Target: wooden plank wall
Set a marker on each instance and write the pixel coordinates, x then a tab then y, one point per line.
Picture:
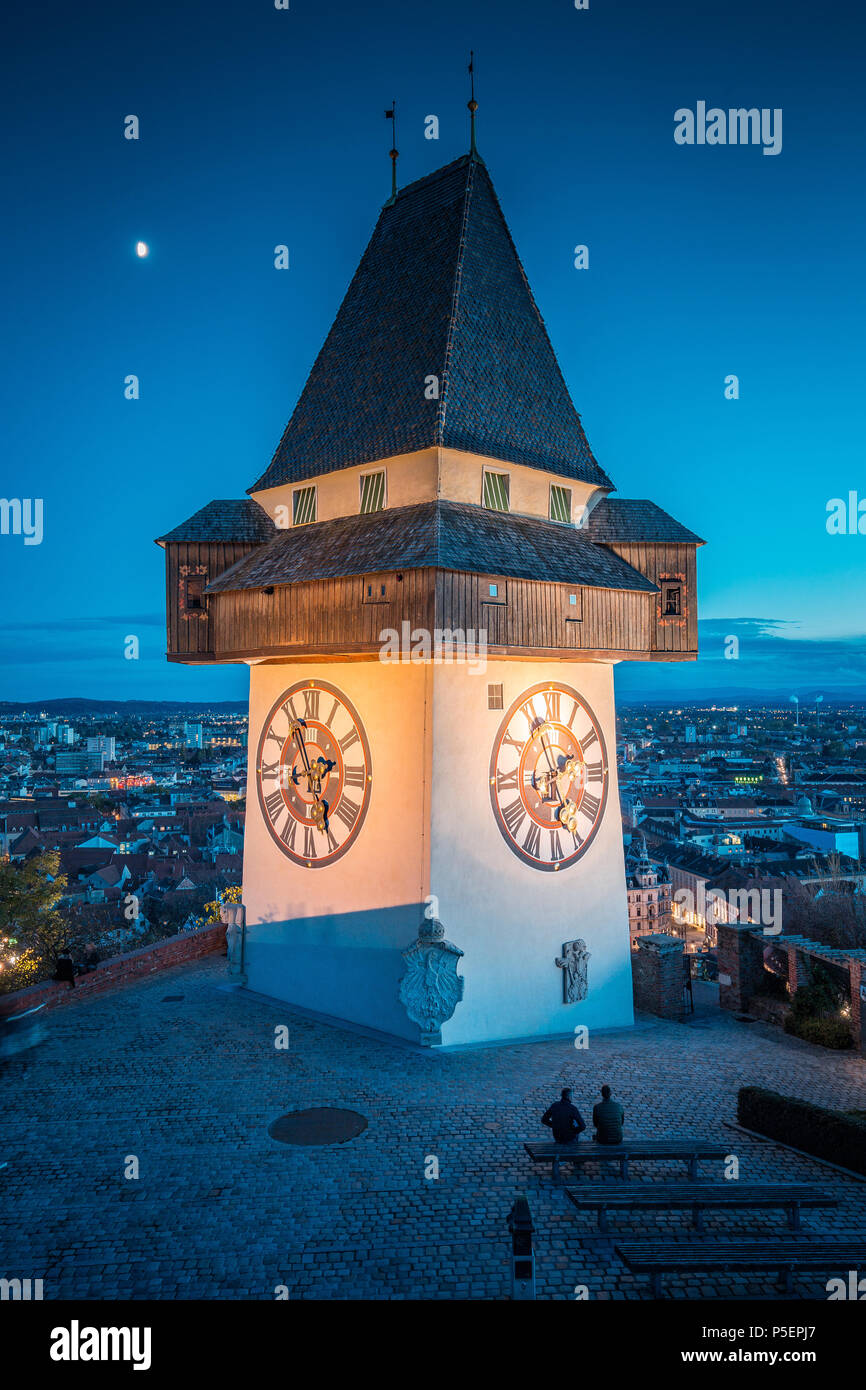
330	614
540	615
656	561
320	614
194	636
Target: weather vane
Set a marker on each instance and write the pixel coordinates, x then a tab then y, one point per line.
392	117
472	103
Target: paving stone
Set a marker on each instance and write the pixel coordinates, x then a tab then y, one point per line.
221	1210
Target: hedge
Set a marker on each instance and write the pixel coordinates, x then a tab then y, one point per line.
826	1032
830	1134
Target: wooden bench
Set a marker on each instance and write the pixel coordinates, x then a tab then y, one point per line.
786	1256
690	1150
697	1198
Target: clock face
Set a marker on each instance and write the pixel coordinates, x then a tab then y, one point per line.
549	777
313	774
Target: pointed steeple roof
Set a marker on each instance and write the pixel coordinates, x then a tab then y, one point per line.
440	292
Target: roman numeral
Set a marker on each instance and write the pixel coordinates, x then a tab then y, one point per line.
274	804
532	843
590	805
555	846
287	834
551	705
512	742
573	713
347	811
289	710
332	843
309	842
591	738
278	739
506	781
311	704
309	735
350	738
335	707
514	814
594	772
269	769
355	777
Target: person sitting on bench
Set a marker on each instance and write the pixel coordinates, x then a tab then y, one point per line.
564	1119
65	970
608	1118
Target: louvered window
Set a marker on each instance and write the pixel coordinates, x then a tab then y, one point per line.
372	492
496	491
303	505
560	503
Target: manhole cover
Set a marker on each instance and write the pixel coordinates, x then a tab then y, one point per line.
321	1126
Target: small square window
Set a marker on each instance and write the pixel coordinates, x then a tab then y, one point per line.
572	599
672	600
303	505
494	697
496	491
372	492
560	503
376	590
194	596
494	590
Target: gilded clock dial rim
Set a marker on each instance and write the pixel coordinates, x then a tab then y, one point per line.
287	793
550	763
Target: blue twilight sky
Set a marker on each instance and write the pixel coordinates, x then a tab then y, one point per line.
261	126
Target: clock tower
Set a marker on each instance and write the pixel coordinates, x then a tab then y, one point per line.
431	583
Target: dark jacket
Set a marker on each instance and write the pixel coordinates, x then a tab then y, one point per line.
565	1120
608	1117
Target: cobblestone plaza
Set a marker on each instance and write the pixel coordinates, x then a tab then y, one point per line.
184	1074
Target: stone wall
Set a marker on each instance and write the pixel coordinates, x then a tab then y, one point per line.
118	970
657	976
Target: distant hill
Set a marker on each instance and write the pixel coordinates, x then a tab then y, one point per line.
76	705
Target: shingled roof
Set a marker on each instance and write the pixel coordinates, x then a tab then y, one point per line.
236	519
444	535
440	291
627	519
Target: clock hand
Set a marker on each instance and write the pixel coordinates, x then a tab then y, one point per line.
551	777
295	729
540	731
319	808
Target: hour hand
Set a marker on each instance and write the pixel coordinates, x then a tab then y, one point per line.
314	774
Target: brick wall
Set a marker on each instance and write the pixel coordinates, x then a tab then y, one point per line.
741	965
741	954
118	970
657	976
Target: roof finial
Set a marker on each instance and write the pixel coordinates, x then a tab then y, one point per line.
392	117
472	104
